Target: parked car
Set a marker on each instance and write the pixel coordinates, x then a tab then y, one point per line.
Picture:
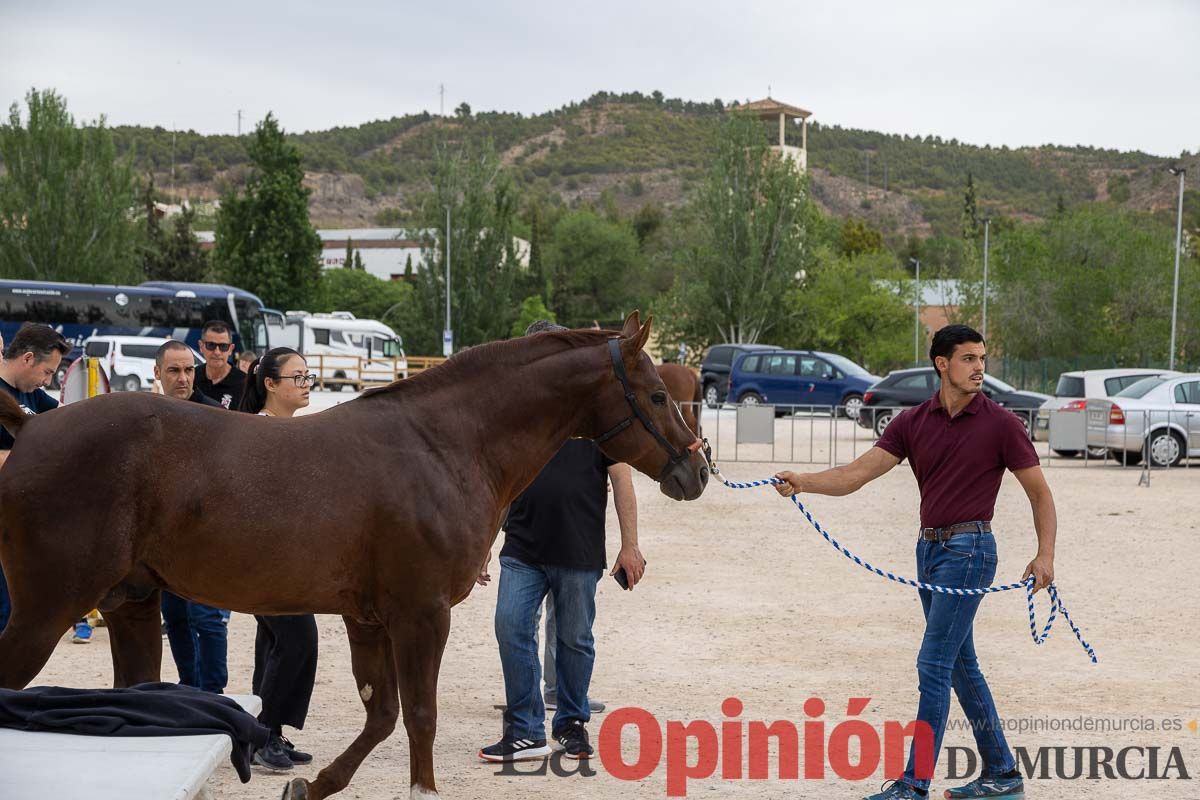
128	360
788	378
904	388
718	362
1074	387
1157	418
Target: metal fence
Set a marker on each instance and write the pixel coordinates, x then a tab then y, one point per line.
833	435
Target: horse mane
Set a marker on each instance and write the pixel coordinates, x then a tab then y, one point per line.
507	354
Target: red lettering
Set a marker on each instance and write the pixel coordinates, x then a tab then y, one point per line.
679	771
650	744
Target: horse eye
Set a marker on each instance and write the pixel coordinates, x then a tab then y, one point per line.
659	398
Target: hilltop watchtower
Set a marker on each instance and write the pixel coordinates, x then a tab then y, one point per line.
771	109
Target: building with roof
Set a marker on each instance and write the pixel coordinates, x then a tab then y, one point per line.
771	109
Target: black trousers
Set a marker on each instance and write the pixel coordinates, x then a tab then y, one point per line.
285	668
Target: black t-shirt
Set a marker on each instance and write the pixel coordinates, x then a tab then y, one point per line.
228	392
34	402
203	399
559	519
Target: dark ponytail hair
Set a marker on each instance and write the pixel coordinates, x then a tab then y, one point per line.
254	391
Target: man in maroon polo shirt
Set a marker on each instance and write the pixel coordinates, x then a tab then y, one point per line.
958	443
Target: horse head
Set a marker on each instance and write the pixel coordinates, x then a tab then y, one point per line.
636	422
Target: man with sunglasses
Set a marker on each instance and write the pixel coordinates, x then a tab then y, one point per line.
219	380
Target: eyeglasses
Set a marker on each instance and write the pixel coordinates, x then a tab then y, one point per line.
302	381
222	346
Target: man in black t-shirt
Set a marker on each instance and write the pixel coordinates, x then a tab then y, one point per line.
555	543
219	380
27	366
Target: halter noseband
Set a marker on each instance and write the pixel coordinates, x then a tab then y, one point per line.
674	455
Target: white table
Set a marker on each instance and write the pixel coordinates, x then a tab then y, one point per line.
65	766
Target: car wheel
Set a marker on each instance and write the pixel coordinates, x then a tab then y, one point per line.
1097	452
1066	453
882	418
852	405
60	375
712	396
751	399
130	383
1128	458
1165	448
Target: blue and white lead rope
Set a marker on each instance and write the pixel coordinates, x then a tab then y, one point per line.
1056	605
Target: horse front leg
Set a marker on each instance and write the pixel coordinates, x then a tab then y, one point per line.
419	642
374	670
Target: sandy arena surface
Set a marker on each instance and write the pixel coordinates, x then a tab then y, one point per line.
743	599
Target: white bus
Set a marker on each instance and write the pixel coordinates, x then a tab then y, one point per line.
342	350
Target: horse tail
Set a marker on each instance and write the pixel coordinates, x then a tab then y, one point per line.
12	416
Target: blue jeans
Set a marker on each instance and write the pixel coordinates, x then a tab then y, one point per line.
522	588
947	657
199	641
5	604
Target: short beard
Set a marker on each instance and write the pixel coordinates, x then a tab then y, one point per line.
968	388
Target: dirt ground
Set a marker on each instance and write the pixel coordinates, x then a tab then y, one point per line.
743	599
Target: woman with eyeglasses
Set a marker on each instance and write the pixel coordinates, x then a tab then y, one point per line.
285	648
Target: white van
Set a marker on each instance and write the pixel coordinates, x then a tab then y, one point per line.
342	350
128	361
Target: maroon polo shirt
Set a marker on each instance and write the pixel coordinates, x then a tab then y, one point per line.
959	462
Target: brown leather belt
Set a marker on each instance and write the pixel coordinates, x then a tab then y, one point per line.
942	534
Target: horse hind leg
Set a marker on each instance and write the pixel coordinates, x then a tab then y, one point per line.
135	636
374	667
418	643
34	630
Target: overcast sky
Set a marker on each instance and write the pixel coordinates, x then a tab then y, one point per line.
1109	74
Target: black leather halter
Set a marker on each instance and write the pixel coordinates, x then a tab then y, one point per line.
674	455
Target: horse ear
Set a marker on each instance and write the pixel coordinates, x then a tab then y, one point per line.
630	328
633	344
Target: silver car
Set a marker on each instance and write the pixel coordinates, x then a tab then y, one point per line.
1070	398
1156	418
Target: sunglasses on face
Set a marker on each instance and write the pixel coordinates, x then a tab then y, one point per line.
301	381
222	346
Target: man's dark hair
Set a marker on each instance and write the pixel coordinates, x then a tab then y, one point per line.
166	347
948	338
216	326
36	338
543	325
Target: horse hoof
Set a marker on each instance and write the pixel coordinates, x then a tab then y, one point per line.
296	789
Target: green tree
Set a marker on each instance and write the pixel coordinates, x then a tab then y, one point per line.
348	259
265	242
483	263
970	213
364	295
856	306
749	243
408	268
532	310
66	198
598	269
358	262
857	237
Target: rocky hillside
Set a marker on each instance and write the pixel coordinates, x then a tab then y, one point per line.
632	150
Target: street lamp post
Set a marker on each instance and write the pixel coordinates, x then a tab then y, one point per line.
1180	171
917	314
448	334
987	223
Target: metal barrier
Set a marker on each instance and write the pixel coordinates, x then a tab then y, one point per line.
830	436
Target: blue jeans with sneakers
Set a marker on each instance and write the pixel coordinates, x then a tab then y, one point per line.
947	656
522	588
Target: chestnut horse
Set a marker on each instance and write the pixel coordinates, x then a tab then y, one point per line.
381	510
684	385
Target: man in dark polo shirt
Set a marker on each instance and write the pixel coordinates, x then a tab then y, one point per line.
219	380
554	543
958	443
197	633
25	368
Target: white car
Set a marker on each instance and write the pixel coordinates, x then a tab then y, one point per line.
128	360
1157	418
1074	387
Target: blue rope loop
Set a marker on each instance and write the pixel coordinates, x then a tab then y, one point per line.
1056	604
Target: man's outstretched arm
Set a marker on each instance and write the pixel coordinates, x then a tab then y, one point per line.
841	480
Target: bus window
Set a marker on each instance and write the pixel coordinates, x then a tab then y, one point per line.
392	349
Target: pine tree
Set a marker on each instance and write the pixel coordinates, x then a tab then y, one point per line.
970	215
348	261
358	262
408	268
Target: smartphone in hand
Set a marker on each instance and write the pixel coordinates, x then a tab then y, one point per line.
622	579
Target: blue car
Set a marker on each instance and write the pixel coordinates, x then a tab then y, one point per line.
785	378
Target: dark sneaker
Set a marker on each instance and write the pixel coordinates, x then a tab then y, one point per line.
551	702
273	756
994	788
296	756
899	790
510	749
572	740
